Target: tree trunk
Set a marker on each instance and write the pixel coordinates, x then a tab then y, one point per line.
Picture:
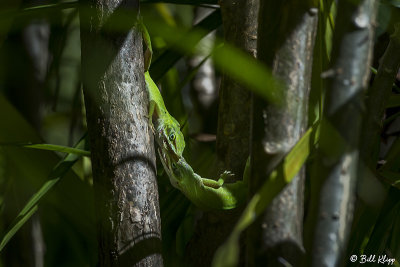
378	97
123	158
285	43
233	135
370	202
335	171
240	26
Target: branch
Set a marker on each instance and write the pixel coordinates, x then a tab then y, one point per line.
122	152
335	170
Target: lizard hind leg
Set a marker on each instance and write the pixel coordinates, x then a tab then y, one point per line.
221	181
212	183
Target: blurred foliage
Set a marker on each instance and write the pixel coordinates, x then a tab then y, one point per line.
58	186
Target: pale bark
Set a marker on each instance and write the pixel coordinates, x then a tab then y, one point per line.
240	29
123	158
335	173
286	42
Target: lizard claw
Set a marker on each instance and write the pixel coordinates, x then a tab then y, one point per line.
227	174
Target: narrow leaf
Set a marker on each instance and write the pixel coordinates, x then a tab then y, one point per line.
31	206
234	62
9	13
228	253
63	149
20	221
169	57
51	147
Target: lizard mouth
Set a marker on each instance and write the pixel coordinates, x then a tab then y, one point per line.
166	161
170	151
164	157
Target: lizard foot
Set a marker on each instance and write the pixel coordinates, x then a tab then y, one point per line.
226	175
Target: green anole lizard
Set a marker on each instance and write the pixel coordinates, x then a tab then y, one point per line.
205	193
165	127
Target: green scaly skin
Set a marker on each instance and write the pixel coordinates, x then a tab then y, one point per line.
206	194
166	129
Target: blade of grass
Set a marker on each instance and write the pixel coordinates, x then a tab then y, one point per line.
382	230
31	206
63	149
6	14
389	177
52	147
72	198
375	71
228	253
20	221
234	62
390	119
168	58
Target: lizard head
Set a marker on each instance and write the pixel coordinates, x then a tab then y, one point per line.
170	167
170	138
177	169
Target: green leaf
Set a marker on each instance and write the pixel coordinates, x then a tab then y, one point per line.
8	13
234	62
390	177
20	221
322	50
72	199
31	206
169	57
248	71
360	229
51	147
375	71
63	149
228	253
379	239
391	119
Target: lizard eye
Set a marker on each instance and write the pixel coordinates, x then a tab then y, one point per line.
172	137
